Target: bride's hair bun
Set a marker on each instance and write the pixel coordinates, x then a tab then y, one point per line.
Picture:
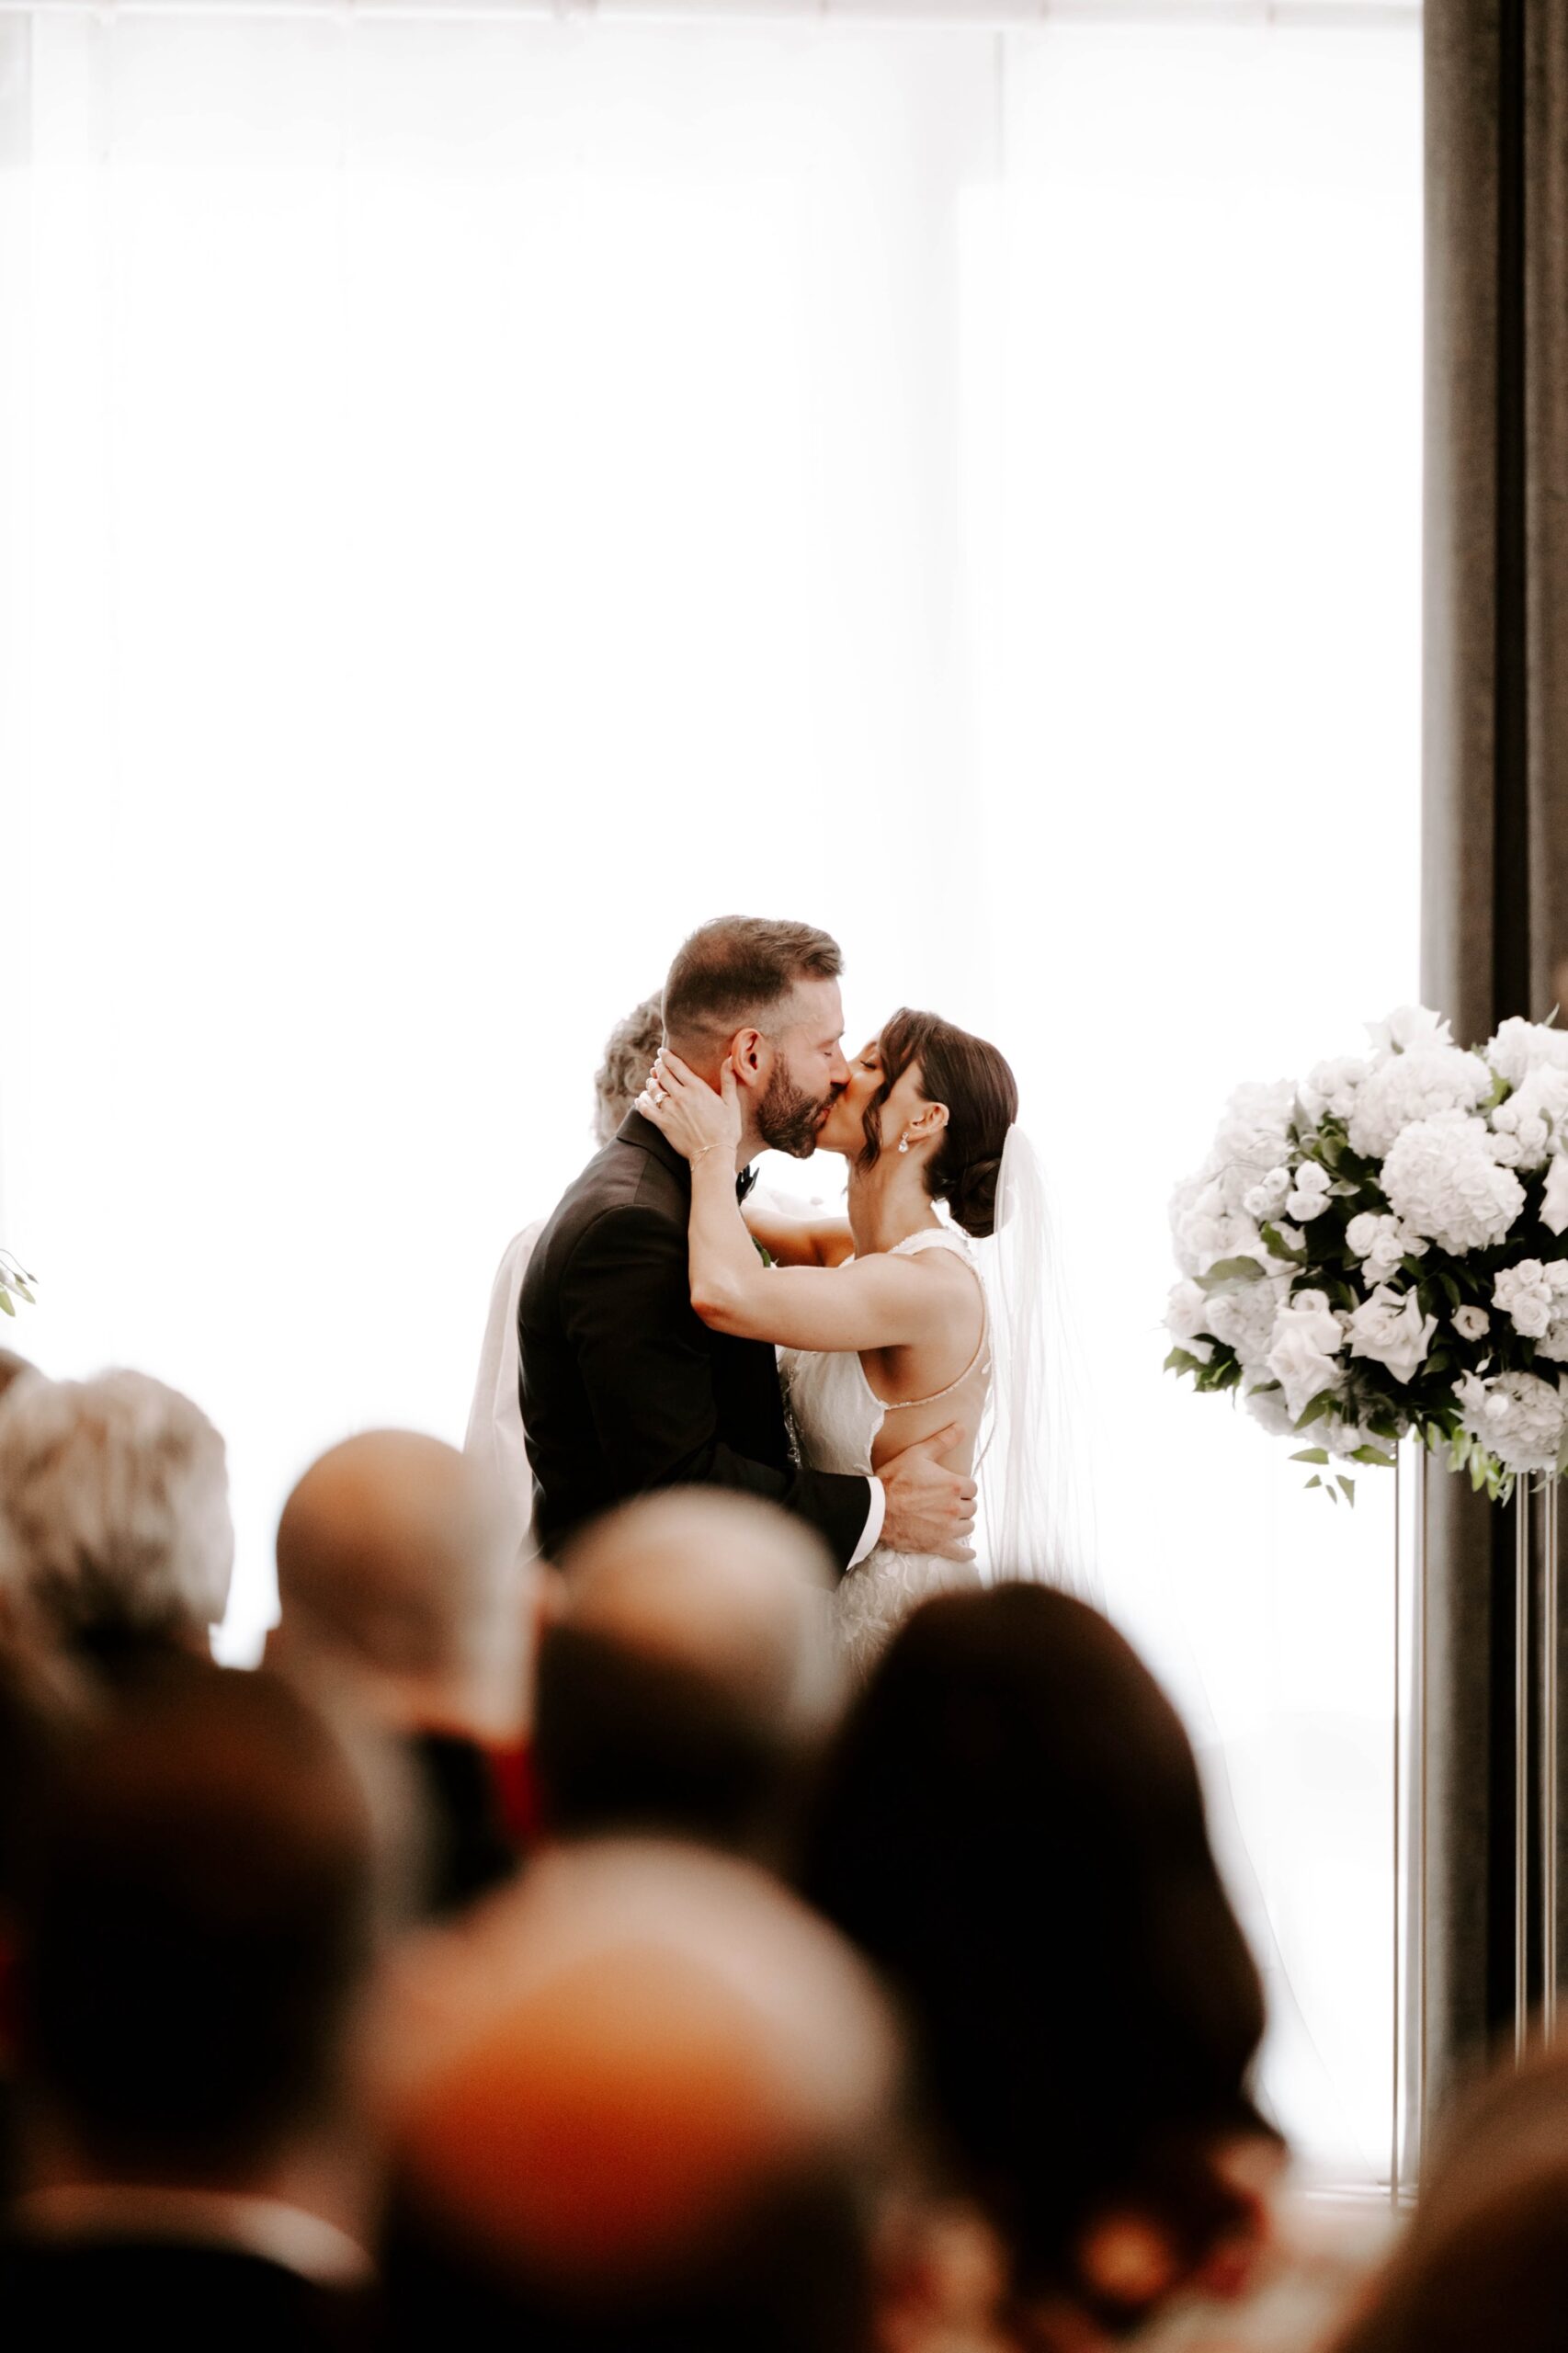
971	1196
972	1079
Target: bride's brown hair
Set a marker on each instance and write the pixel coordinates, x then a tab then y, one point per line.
974	1079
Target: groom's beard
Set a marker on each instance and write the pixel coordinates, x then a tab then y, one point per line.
788	1119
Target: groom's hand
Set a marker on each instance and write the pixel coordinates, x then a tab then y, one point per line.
930	1508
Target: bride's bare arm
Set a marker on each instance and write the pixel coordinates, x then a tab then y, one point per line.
880	1303
798	1241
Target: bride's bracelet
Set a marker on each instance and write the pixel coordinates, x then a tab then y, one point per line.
703	1153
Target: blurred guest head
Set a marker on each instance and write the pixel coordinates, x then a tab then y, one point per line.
12	1368
114	1512
1485	2261
1011	1823
629	1057
690	1673
402	1591
200	1895
397	1572
652	2103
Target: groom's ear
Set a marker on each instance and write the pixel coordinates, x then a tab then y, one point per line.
749	1057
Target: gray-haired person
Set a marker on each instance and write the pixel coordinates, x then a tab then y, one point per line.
495	1420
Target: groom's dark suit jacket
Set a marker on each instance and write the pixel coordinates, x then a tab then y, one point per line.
623	1387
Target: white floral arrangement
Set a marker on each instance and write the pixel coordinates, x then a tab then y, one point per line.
1383	1250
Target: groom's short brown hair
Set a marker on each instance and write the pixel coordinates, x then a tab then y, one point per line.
738	969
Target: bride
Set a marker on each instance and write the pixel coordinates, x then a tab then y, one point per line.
882	1317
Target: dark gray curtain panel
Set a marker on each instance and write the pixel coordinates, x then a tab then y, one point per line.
1494	868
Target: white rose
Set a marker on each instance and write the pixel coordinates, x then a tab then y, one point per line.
1408	1026
1554	1205
1309	1196
1443	1182
1390	1329
1301	1357
1523	1294
1413	1085
1267	1198
1472	1323
1380	1242
1310	1303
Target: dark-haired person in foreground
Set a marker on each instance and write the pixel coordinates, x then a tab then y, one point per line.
884	1314
623	1387
197	1907
1011	1826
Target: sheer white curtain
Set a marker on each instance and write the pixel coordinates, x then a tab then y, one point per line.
480	497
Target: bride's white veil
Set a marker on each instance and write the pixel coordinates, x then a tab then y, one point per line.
1034	1468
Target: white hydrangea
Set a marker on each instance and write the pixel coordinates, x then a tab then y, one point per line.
1413	1085
1443	1181
1186	1320
1381	1242
1267	1407
1517	1416
1254	1138
1244	1318
1521	1046
1329	1089
1209	1218
1208	1232
1408	1026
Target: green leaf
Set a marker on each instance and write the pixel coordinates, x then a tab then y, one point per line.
1319	1406
1182	1360
1313	1481
1372	1454
6	1302
1312	1454
1232	1270
1279	1247
1346	1487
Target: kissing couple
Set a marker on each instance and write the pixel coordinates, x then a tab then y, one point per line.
666	1319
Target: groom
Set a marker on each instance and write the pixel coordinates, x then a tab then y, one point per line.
622	1387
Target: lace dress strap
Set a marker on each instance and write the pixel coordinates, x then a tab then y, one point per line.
942	1237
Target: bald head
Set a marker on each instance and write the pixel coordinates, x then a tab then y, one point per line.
629	2064
397	1568
691	1672
728	1588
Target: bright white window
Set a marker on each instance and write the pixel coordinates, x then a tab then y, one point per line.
480	497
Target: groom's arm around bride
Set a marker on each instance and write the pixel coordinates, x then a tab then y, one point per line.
623	1388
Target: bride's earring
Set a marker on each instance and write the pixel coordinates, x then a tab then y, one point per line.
903	1144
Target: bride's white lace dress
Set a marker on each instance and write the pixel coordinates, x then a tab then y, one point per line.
836	1416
